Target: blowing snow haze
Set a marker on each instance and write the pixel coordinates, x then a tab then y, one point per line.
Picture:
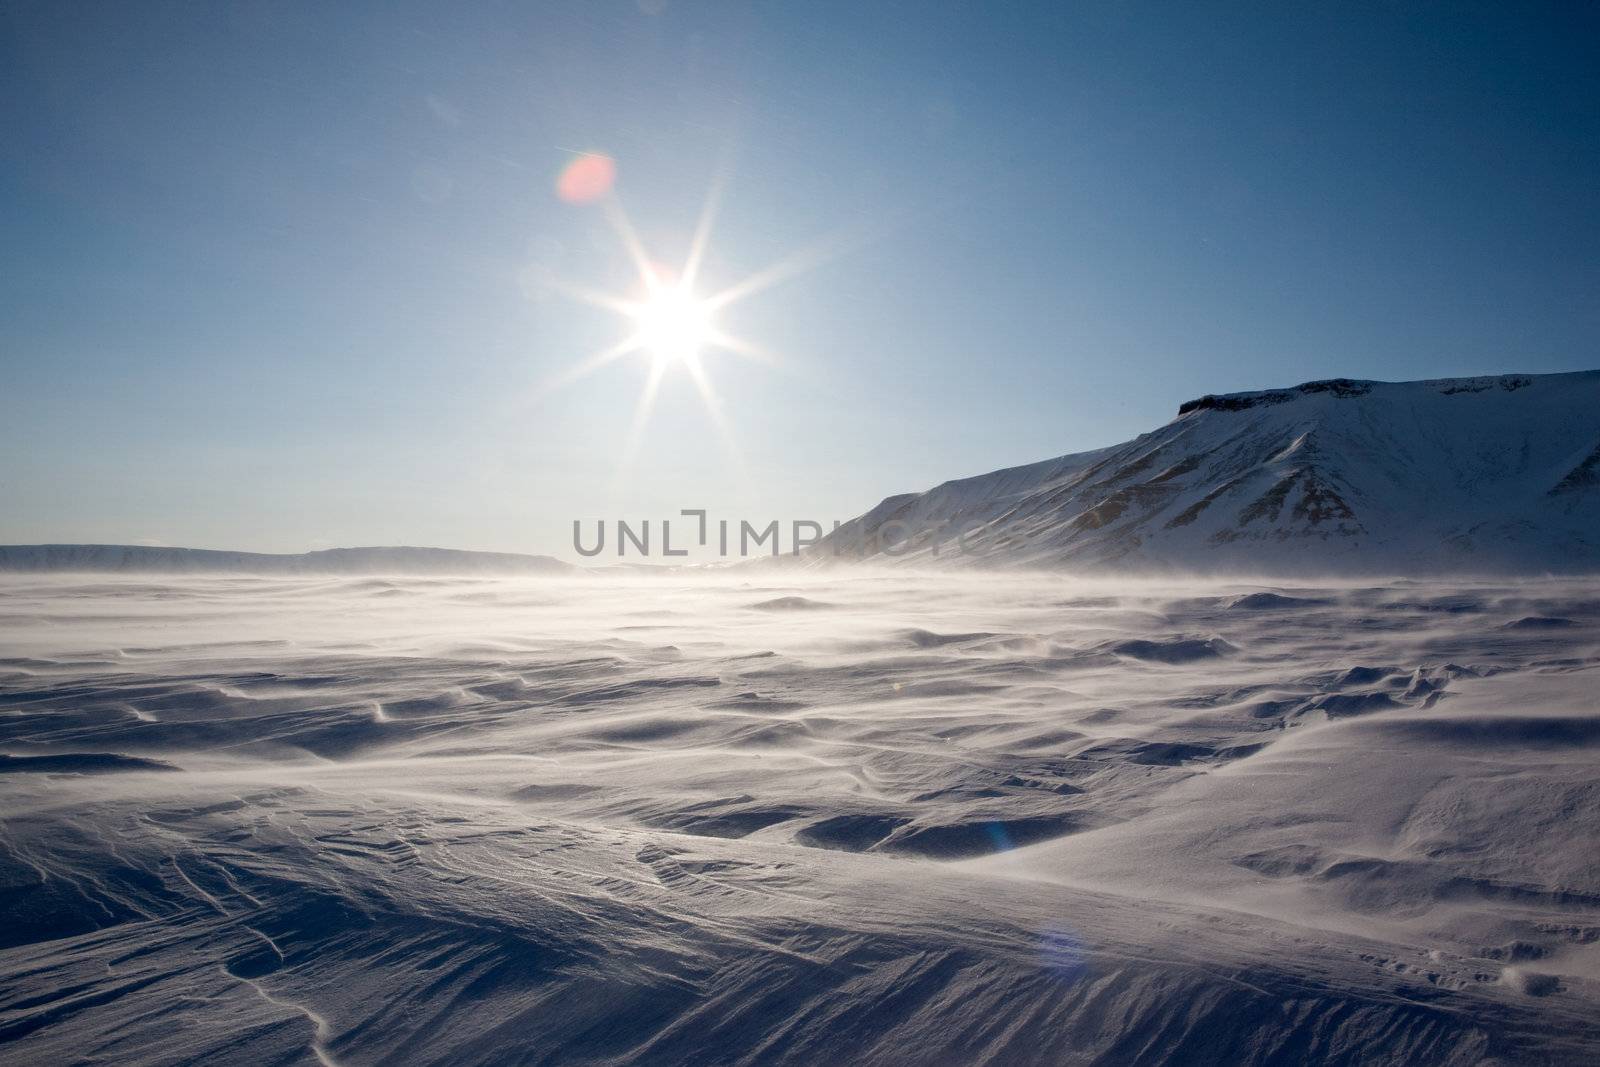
1267	736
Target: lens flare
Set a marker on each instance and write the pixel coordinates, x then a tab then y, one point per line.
587	178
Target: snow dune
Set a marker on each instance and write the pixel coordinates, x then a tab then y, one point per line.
876	817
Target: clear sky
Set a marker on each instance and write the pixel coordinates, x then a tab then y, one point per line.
276	276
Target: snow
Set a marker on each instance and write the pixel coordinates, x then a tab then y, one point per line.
144	559
1463	475
874	816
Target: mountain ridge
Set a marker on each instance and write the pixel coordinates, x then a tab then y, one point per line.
1495	473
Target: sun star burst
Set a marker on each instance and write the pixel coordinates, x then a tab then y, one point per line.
672	324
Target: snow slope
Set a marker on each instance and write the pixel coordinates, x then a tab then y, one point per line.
1489	475
334	561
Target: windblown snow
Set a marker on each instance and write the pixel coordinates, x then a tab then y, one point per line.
1458	475
388	560
841	817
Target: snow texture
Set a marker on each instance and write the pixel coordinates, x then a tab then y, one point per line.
866	817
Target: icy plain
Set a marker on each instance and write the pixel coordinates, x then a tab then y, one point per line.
835	817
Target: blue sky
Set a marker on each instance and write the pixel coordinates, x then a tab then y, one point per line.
265	269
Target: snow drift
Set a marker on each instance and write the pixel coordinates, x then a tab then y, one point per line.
941	819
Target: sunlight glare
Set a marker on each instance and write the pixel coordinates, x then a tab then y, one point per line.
673	325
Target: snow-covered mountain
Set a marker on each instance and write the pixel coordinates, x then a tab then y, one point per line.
333	561
1488	474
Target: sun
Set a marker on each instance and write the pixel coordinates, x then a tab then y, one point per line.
668	321
674	325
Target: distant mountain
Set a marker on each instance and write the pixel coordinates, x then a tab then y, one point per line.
1494	474
333	561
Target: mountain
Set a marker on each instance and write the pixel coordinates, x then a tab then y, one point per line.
1492	474
333	561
